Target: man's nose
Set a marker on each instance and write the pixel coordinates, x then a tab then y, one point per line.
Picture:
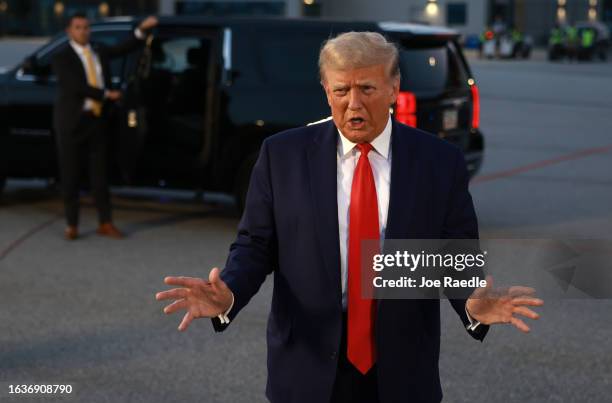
354	100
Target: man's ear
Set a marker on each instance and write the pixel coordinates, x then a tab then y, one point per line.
395	89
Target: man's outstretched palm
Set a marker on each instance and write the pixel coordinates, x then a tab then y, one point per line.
200	298
489	306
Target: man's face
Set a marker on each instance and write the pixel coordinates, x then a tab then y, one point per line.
360	100
78	30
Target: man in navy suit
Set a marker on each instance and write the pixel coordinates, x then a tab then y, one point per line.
315	193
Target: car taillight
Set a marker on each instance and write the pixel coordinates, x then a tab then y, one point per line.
475	107
405	108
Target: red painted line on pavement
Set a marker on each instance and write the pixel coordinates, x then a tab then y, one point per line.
541	164
17	242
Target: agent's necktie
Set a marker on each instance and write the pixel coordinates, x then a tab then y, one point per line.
92	80
363	224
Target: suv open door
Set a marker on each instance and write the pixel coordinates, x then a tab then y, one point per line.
169	123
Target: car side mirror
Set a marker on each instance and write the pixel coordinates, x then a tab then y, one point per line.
31	66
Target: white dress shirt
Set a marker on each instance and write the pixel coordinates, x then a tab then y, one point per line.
380	161
80	51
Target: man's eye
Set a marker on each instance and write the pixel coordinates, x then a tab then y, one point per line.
340	92
368	89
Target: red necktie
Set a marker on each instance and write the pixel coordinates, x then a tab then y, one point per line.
363	224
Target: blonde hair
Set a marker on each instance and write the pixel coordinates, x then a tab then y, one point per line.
352	50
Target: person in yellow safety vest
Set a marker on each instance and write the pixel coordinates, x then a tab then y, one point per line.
571	41
588	37
517	41
556	36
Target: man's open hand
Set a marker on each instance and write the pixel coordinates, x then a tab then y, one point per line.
200	298
490	306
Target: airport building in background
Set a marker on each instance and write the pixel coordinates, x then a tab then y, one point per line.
46	17
470	17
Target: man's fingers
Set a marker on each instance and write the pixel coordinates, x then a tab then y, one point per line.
183	281
520	291
527	301
483	292
185	322
175	293
213	277
175	306
519	324
215	280
489	280
521	310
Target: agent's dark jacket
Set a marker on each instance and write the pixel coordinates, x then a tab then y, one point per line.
72	86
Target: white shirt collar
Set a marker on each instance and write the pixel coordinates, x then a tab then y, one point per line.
79	48
380	144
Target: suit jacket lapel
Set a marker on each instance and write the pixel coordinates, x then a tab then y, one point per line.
322	166
404	185
76	60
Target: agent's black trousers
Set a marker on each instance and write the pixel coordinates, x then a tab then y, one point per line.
350	385
86	144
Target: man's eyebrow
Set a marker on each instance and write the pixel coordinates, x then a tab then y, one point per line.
366	84
340	87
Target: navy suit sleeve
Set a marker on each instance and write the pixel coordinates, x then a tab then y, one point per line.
461	223
253	255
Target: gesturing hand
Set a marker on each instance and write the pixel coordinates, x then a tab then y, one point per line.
200	298
490	306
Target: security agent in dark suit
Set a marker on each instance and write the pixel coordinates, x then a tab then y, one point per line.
315	193
83	94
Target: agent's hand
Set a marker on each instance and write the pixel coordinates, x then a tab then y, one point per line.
490	306
113	95
148	23
200	298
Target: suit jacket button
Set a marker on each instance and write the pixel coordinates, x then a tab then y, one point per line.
332	355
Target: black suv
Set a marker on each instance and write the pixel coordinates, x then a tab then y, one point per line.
202	94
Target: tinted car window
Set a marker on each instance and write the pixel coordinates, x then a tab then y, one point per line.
175	54
431	70
290	59
278	58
